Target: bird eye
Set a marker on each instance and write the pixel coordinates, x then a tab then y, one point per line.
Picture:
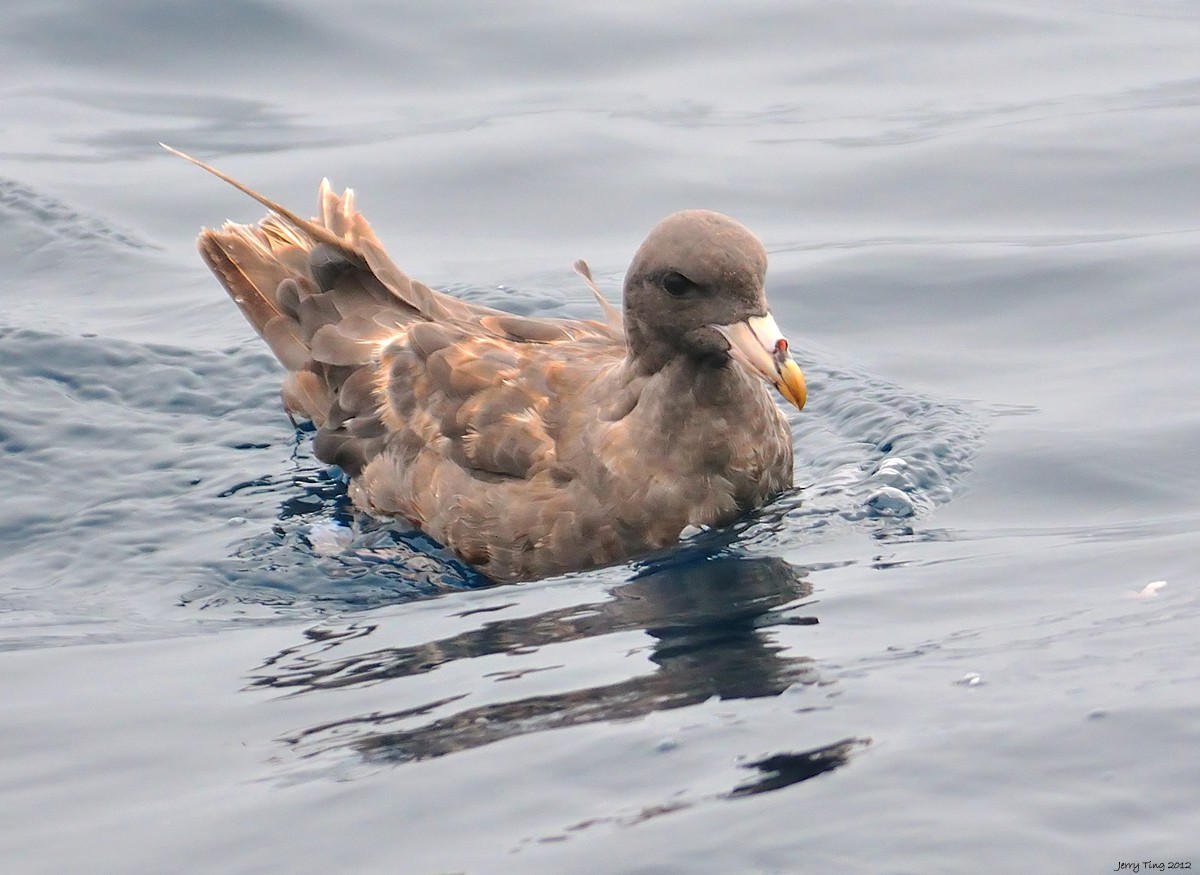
677	284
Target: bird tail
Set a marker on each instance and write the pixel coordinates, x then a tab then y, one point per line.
324	296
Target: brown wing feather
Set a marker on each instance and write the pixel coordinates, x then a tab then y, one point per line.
378	359
478	400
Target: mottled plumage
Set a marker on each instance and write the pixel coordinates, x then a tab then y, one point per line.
528	446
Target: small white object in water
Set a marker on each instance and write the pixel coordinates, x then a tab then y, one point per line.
329	538
890	501
970	679
891	471
1150	589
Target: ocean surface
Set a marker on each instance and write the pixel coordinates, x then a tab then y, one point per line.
967	640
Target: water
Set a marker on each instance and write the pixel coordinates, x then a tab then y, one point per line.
948	647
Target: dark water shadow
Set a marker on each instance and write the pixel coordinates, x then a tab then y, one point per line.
784	769
707	618
775	773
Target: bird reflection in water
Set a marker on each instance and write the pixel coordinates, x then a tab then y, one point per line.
706	617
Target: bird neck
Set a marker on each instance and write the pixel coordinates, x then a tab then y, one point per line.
667	375
696	352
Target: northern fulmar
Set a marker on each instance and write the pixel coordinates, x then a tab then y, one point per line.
530	447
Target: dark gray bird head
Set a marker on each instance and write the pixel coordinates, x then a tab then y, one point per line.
695	288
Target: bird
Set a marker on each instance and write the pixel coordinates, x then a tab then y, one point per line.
531	447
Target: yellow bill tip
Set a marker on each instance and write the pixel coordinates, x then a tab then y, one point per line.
791	383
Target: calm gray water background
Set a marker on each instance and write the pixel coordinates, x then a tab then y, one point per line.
984	224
